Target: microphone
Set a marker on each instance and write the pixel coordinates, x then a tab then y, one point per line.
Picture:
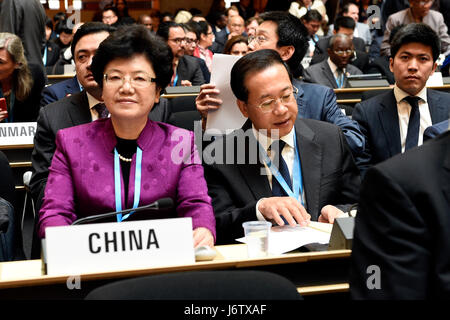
164	203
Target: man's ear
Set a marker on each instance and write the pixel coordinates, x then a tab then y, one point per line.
157	95
286	52
243	107
391	64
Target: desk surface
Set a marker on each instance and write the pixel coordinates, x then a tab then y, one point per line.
27	273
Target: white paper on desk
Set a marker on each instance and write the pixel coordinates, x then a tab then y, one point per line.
228	117
283	239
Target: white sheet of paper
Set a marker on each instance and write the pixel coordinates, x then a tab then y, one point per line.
228	117
435	80
283	239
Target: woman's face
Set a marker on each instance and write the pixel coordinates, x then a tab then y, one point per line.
239	49
128	92
7	65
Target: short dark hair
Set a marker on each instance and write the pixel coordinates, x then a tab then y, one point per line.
417	32
312	15
164	29
89	28
291	32
203	27
344	22
192	26
112	8
253	62
63	26
130	40
394	32
346	7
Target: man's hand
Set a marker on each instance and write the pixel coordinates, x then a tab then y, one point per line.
203	236
3	115
329	213
274	208
207	99
186	83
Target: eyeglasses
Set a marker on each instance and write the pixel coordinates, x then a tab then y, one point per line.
259	39
136	80
343	52
178	40
270	104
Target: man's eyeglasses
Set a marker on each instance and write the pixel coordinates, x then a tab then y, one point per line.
259	39
178	40
343	52
270	104
139	80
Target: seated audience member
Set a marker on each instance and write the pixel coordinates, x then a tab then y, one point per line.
312	21
251	25
51	50
110	16
435	130
301	7
361	29
218	21
192	31
146	21
187	71
65	57
21	82
205	40
235	27
64	35
286	34
394	122
333	72
418	12
198	18
236	46
343	25
182	16
166	17
122	13
132	66
305	185
402	227
246	9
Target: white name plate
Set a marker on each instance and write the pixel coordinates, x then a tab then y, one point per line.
102	247
17	133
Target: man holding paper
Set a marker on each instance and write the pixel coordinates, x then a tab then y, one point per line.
277	167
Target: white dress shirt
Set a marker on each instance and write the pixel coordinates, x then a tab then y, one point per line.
92	102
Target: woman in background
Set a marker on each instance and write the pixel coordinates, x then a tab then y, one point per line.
236	46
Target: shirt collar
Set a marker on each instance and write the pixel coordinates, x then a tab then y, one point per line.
266	141
400	94
91	100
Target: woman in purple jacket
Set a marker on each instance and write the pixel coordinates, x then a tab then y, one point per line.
127	160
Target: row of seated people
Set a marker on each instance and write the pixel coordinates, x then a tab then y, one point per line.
133	76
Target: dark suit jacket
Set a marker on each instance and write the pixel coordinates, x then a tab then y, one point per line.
381	65
189	69
403	226
378	120
329	176
219	42
67	112
321	74
59	90
435	130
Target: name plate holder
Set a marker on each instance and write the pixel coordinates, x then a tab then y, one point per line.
105	247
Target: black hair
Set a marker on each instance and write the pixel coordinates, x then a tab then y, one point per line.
253	62
291	32
346	7
89	28
112	8
312	15
417	32
194	27
128	41
49	23
394	32
344	22
164	29
63	26
203	27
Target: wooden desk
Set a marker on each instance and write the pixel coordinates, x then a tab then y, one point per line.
312	272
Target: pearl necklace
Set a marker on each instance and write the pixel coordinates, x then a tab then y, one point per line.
125	159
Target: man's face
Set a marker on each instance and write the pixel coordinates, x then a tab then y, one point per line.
236	25
312	26
420	8
84	52
146	21
266	37
65	38
341	52
191	43
251	28
412	66
262	86
176	41
347	31
353	12
109	17
222	22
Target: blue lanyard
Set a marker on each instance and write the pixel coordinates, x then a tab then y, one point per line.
175	80
12	99
297	174
340	80
118	187
44	58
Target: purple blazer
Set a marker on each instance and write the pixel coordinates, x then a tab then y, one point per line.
81	176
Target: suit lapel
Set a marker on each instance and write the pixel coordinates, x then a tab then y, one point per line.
438	110
79	111
311	165
388	117
329	74
300	99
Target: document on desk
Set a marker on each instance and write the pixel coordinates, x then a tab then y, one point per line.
228	117
283	239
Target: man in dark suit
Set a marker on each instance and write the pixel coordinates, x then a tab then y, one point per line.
343	25
334	71
187	71
402	227
285	33
395	121
59	90
304	169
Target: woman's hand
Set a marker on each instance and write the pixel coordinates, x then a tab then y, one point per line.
3	115
203	237
207	99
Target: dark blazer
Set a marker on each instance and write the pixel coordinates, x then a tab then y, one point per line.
403	226
59	90
67	112
329	176
189	69
53	53
220	39
435	130
378	120
28	110
204	68
321	73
